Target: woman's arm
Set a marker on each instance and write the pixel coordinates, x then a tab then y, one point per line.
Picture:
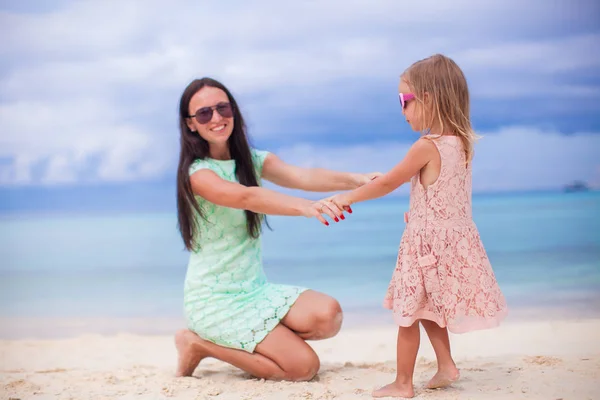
417	157
311	179
210	186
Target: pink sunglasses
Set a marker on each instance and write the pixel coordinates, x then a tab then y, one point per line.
405	98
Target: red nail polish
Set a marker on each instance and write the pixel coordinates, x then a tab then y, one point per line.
336	220
326	223
342	216
349	210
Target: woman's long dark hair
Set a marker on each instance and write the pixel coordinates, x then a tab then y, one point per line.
193	147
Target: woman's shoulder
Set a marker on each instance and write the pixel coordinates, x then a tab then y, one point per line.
198	164
223	167
220	167
258	154
258	158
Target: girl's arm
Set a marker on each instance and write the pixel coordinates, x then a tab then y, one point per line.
420	153
311	179
208	185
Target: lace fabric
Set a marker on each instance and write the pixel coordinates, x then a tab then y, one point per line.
442	272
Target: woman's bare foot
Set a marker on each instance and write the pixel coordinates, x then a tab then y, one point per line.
190	352
443	378
395	390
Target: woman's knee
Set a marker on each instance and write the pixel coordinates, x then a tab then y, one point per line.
303	368
329	318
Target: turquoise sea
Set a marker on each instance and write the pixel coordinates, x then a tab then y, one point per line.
544	248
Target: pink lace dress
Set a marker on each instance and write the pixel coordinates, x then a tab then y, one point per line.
443	273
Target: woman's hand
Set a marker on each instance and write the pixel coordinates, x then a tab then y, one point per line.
325	206
363	179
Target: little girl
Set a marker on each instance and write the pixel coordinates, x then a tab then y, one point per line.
443	278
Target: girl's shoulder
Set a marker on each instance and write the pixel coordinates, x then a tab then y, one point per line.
441	142
427	144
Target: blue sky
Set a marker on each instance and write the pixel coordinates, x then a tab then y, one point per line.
89	89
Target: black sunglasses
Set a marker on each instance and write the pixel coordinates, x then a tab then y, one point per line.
204	115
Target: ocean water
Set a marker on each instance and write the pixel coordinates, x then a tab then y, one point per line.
544	248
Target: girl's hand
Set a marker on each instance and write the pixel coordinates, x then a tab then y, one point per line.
342	202
363	179
325	206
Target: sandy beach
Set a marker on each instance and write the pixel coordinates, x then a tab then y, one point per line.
520	360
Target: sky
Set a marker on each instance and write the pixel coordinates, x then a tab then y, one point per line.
89	89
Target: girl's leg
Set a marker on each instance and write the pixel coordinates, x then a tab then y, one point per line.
282	355
447	372
314	316
407	347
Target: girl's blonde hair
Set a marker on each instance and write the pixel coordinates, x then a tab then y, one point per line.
448	97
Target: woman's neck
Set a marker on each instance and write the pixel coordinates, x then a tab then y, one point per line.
220	153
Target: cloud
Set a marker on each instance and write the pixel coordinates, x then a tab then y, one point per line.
513	158
523	158
89	90
77	141
543	56
269	45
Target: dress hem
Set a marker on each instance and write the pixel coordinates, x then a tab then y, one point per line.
270	325
275	322
474	323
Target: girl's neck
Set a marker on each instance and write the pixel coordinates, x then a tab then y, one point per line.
437	131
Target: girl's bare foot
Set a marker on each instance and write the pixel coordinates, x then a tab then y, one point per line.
190	352
443	378
395	389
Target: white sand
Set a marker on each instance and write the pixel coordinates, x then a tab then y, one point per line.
534	360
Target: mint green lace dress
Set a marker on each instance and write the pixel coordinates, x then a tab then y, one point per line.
227	298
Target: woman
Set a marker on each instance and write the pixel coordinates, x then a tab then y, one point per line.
233	313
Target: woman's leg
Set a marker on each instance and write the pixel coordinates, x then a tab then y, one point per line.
447	372
314	316
282	355
406	354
